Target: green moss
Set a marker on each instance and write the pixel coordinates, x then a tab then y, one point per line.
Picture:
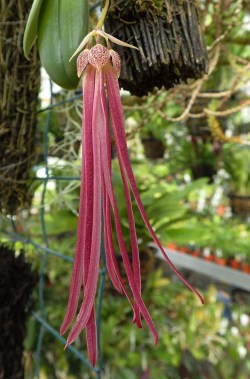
126	7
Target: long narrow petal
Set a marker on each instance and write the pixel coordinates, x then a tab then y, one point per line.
91	337
129	271
92	278
88	157
121	145
133	240
106	155
109	252
77	275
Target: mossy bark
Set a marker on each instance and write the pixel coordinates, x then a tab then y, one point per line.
169	36
19	88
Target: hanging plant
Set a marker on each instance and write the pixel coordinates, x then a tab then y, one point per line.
99	67
170	41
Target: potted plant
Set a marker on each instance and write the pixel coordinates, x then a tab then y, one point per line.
152	136
196	155
236	161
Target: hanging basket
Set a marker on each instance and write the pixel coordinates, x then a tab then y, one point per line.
240	204
153	148
17	282
19	88
169	36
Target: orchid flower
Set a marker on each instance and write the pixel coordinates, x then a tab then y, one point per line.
99	67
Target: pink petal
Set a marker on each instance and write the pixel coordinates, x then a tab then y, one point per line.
106	156
92	277
91	338
109	250
130	274
85	198
133	240
120	140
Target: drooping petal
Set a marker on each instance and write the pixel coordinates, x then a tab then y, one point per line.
106	156
91	338
107	225
94	258
85	198
127	265
121	145
109	251
134	243
89	205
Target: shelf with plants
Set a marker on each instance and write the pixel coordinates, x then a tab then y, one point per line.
234	278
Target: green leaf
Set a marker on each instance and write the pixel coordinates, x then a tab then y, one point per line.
31	29
182	235
62	26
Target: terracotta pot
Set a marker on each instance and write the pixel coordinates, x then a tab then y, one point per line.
185	250
235	264
209	258
196	253
245	267
220	261
153	148
172	246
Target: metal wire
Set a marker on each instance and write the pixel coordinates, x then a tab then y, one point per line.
44	251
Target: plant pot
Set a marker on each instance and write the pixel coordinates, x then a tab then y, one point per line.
196	253
203	170
245	267
209	258
220	261
172	246
153	148
185	250
240	204
235	264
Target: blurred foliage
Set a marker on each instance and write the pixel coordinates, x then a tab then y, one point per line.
236	161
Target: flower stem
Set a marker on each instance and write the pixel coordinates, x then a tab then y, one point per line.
103	15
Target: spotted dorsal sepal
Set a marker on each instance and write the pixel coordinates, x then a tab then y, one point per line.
98	56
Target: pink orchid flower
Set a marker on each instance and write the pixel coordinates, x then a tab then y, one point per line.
100	67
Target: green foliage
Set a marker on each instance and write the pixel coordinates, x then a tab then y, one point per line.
164	203
59	27
236	160
191	152
31	30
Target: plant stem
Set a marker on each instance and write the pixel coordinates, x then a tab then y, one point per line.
103	15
